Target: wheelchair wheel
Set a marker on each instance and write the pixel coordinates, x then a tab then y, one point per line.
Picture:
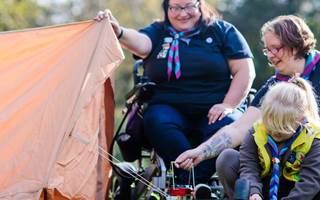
124	187
114	188
217	191
119	189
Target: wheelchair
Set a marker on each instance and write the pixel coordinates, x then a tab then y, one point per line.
143	174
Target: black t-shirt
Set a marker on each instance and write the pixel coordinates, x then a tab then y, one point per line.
205	74
314	79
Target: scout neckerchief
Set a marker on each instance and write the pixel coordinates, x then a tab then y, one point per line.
173	56
276	157
310	65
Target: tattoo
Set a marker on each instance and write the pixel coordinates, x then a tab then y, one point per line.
215	146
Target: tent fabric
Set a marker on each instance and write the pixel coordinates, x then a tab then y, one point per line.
56	109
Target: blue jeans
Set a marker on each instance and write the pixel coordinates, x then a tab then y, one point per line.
171	131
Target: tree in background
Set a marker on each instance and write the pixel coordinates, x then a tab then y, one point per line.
134	14
19	14
247	15
250	15
130	13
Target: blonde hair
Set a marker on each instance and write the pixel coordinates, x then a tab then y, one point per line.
287	104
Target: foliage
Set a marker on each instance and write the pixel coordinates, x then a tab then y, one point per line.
247	15
18	14
134	14
250	15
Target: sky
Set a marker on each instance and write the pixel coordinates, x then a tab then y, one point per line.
59	14
46	2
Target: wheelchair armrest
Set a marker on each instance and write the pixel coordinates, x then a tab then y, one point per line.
140	91
252	91
125	170
138	71
250	96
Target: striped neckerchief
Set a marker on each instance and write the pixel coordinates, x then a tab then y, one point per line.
173	57
310	65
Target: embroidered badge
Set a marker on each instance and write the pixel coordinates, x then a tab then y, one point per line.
292	157
165	48
209	40
168	39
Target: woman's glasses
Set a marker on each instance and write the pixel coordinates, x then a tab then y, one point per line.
273	50
188	8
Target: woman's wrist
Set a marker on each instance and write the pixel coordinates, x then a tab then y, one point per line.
119	36
229	105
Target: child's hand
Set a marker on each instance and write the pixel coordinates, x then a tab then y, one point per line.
255	197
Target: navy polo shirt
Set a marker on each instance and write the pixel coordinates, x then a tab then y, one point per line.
313	79
205	74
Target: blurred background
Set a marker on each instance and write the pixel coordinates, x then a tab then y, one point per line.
247	15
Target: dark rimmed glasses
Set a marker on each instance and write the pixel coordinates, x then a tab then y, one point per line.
273	50
191	8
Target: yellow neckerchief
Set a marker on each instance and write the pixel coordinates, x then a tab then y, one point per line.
299	148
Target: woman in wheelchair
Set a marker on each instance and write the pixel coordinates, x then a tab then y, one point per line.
203	70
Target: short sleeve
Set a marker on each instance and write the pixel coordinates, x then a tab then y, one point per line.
154	32
234	44
256	102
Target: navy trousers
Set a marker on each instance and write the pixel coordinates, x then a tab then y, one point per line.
171	131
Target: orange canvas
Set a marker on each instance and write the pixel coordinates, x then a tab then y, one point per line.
56	109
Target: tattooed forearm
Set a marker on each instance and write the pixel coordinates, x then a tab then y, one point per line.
216	145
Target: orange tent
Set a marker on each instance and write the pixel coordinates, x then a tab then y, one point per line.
56	110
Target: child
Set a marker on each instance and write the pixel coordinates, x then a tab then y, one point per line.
281	156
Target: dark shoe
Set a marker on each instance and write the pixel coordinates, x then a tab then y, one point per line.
202	192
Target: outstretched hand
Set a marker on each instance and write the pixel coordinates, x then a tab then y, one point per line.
101	15
189	158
